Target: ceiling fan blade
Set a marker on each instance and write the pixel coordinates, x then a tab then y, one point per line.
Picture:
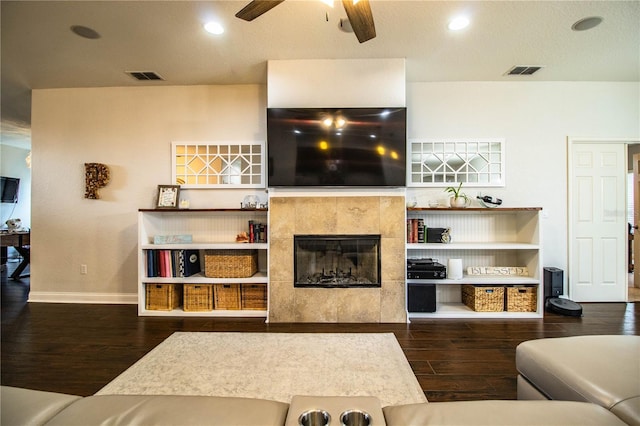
257	8
361	19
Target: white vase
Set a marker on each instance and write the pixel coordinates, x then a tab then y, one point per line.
454	269
457	202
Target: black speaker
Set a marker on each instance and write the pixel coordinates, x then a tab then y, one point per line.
421	298
553	279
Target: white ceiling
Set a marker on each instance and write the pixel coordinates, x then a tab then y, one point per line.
39	50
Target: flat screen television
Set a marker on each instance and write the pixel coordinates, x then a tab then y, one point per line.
9	189
326	147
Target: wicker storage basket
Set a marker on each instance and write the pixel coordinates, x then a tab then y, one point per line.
483	299
163	297
227	296
198	297
254	296
522	299
230	263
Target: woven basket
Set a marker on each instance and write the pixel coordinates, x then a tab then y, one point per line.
227	296
198	297
230	263
163	297
254	296
483	299
522	299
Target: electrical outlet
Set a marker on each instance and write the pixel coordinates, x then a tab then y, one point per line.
83	269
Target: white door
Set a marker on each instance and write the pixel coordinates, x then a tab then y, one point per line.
598	230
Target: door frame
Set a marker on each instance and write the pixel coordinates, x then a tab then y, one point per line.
570	183
635	159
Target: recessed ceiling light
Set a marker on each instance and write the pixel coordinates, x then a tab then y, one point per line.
587	23
85	32
214	28
459	23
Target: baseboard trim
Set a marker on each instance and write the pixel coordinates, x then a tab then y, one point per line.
75	297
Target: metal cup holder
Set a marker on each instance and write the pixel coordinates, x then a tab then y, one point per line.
355	418
314	418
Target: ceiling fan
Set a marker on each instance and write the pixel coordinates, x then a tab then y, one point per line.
358	12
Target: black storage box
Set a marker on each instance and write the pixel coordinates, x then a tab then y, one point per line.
421	297
434	235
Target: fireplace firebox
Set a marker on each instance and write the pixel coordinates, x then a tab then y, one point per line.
337	261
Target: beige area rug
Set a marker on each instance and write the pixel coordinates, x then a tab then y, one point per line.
274	366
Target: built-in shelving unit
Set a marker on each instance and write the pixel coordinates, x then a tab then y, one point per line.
480	237
210	229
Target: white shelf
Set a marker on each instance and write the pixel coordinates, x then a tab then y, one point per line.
214	313
206	246
480	280
458	310
258	278
473	246
211	229
480	237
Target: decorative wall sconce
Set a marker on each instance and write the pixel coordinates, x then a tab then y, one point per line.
96	176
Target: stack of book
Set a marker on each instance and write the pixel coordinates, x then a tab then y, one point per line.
173	263
257	232
415	231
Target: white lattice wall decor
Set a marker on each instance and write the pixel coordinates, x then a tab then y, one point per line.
218	164
437	163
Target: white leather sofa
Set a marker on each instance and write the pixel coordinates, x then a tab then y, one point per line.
601	369
30	407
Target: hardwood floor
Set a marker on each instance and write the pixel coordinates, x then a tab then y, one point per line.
77	348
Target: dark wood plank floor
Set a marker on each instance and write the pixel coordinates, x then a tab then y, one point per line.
78	348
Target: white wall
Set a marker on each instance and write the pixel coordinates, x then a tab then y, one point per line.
348	83
130	130
12	164
535	118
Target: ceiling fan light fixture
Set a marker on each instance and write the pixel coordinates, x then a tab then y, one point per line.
214	28
458	23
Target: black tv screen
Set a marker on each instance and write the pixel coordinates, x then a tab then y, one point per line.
359	147
9	189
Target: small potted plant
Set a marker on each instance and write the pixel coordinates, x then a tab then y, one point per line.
458	198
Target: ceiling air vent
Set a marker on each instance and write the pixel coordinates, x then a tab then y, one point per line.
524	69
144	75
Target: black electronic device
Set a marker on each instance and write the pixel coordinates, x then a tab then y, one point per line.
427	275
357	147
422	262
553	287
489	201
9	189
561	306
421	298
425	269
553	278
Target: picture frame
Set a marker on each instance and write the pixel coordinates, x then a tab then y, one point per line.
168	196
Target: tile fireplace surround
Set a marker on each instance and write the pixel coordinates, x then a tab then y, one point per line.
289	216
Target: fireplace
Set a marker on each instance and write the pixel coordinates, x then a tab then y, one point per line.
329	261
334	217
